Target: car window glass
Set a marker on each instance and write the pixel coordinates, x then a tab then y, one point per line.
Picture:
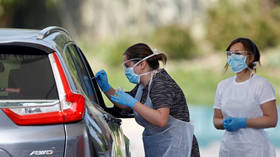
26	76
71	68
81	76
93	81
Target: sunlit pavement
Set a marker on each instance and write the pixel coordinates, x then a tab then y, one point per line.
134	132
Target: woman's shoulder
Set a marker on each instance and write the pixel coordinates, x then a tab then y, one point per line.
162	76
260	80
226	81
163	80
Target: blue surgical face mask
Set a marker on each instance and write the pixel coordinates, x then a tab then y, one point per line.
130	74
237	63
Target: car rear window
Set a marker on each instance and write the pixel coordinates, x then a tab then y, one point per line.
25	73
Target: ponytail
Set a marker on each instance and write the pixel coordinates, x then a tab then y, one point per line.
153	61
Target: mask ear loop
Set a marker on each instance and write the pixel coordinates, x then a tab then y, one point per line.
255	65
252	70
145	58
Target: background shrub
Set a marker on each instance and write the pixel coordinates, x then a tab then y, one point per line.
116	50
175	41
229	20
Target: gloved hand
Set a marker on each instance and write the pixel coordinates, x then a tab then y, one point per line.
234	124
123	98
102	80
226	123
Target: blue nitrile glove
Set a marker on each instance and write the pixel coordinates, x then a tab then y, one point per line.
123	98
102	80
234	124
226	123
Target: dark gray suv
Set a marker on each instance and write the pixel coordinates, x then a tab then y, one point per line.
50	102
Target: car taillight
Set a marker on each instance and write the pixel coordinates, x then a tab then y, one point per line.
69	109
74	104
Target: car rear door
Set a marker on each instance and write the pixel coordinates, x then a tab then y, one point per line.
92	132
105	137
121	142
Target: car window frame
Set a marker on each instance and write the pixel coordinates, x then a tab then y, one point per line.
82	85
100	104
115	111
93	80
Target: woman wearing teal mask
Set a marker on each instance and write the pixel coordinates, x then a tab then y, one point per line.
245	105
158	103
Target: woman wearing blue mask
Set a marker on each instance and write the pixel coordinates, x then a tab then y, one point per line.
158	103
245	105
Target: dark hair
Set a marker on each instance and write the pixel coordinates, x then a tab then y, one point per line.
141	50
249	46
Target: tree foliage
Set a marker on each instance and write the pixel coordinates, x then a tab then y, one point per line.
229	20
176	41
29	14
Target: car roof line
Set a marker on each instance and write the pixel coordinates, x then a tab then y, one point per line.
49	30
39	46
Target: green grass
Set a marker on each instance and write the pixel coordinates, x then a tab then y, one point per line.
198	86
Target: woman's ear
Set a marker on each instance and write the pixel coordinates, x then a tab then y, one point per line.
143	65
250	59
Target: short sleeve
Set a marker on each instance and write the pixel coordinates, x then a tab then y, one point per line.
161	94
218	97
266	92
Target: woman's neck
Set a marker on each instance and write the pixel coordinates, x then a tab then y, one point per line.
243	75
145	79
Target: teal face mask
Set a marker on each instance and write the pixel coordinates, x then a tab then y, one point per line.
237	63
130	74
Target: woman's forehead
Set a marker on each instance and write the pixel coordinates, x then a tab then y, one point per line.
237	46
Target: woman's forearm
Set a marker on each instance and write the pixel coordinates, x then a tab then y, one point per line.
261	122
269	118
218	119
157	117
218	123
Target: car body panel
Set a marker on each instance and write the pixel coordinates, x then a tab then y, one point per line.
30	138
97	134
